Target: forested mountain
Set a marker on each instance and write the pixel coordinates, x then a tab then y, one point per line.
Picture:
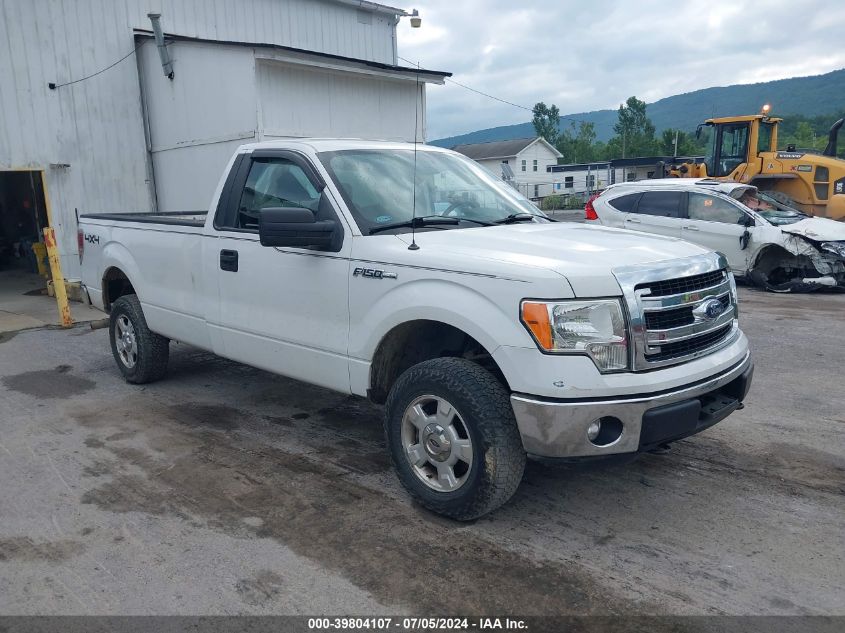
816	99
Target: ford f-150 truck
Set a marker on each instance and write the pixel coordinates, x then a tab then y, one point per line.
409	275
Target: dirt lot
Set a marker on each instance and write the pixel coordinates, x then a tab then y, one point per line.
225	490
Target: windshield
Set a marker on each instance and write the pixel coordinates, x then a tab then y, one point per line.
773	211
378	187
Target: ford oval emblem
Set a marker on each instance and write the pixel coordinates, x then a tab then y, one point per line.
709	310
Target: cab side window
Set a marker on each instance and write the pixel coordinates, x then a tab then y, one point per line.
666	204
274	182
713	209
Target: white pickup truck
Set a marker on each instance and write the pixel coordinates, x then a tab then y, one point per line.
409	275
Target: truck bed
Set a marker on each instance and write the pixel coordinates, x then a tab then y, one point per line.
173	218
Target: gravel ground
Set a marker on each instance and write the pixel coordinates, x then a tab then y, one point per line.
227	490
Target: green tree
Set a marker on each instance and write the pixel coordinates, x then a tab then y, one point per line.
578	143
687	144
804	135
794	131
546	122
634	130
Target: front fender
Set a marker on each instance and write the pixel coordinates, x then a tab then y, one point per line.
489	321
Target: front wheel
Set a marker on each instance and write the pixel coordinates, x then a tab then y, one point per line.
141	354
453	438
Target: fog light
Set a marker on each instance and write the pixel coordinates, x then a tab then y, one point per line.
605	431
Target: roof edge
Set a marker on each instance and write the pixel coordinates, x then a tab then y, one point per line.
506	140
366	5
441	74
549	145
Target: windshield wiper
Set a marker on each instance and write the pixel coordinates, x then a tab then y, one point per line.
516	217
474	221
415	223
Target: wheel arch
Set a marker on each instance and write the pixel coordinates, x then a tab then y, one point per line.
115	284
413	342
120	276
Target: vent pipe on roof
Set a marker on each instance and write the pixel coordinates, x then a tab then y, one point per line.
166	63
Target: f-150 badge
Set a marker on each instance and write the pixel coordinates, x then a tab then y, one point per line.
373	273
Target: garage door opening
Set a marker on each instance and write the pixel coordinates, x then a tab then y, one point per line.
23	257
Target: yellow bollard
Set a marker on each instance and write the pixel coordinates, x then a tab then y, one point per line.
58	278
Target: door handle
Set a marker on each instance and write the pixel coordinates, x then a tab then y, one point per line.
691	228
229	260
633	221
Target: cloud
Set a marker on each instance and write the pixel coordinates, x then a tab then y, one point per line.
586	56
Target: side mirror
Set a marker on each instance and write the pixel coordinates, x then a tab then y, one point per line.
748	221
294	226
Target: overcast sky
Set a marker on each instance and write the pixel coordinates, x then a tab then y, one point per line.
591	55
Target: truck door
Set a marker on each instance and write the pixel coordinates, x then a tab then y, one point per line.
718	224
285	310
728	149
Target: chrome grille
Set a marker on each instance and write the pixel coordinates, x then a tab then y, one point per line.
690	346
667	306
665	319
684	284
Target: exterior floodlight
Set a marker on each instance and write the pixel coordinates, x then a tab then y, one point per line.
416	20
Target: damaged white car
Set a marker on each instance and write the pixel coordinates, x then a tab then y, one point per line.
772	245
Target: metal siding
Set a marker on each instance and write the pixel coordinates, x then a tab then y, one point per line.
197	120
212	95
319	25
96	126
187	177
307	101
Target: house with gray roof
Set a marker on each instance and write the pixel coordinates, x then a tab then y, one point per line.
527	159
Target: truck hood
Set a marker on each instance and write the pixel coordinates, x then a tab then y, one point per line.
585	255
818	229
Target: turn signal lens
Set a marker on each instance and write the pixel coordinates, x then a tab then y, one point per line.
536	317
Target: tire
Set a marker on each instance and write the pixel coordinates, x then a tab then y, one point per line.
141	355
481	414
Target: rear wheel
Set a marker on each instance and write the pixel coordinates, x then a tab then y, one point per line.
453	438
141	355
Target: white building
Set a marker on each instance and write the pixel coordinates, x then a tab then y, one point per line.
527	158
85	100
581	179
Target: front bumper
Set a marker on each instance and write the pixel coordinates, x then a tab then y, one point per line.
558	428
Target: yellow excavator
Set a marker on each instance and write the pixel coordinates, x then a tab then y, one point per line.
745	149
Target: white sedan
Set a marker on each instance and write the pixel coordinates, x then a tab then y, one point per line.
774	246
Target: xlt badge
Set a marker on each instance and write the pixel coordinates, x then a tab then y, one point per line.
374	273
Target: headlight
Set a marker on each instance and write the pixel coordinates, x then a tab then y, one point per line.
595	328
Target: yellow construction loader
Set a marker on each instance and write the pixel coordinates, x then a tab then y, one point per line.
745	149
